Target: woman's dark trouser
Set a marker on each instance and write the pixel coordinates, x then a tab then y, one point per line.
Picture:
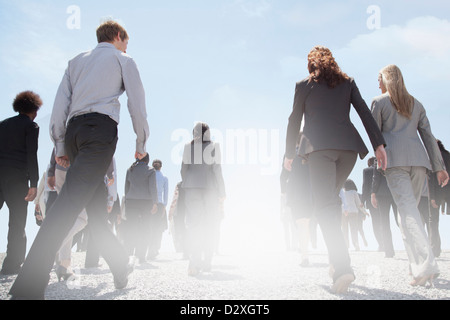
329	169
14	188
90	143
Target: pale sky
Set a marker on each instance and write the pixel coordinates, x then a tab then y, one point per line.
234	65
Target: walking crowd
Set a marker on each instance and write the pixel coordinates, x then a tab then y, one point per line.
77	202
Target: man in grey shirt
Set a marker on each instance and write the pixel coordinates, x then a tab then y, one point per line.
83	127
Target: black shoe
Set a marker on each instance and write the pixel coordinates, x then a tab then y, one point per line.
304	263
62	273
121	281
6	272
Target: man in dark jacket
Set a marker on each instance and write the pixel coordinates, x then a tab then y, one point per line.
439	197
19	173
366	192
141	198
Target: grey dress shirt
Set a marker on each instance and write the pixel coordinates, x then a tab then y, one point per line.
403	145
93	82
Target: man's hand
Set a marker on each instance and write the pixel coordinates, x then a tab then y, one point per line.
373	200
139	156
154	209
63	161
32	192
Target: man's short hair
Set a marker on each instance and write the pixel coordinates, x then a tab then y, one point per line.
108	31
27	102
157	164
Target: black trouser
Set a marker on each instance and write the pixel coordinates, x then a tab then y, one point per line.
158	224
376	225
13	189
430	219
90	143
435	237
138	214
384	208
202	221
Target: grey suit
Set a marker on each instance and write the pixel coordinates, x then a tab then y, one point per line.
403	145
406	173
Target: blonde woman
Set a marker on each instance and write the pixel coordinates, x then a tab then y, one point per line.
400	117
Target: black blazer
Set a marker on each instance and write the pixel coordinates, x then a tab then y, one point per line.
18	146
379	185
327	119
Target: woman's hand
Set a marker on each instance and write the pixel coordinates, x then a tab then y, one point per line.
442	177
381	156
288	164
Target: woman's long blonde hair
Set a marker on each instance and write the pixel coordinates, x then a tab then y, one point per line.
392	79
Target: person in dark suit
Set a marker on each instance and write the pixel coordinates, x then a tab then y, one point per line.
438	198
402	118
331	144
365	198
141	199
204	193
19	174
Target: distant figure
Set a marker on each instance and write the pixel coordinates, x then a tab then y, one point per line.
204	191
141	201
19	174
365	198
177	221
330	144
439	197
44	198
83	127
400	117
352	207
159	222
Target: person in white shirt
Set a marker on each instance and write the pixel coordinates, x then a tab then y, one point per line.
352	209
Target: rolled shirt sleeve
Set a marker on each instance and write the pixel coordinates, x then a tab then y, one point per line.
60	113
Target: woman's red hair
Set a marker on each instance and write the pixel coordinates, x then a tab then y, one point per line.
323	68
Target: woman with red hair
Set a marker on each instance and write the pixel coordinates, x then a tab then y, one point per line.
330	144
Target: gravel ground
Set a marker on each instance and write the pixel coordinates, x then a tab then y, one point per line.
272	275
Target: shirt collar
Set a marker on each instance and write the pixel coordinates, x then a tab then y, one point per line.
106	45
